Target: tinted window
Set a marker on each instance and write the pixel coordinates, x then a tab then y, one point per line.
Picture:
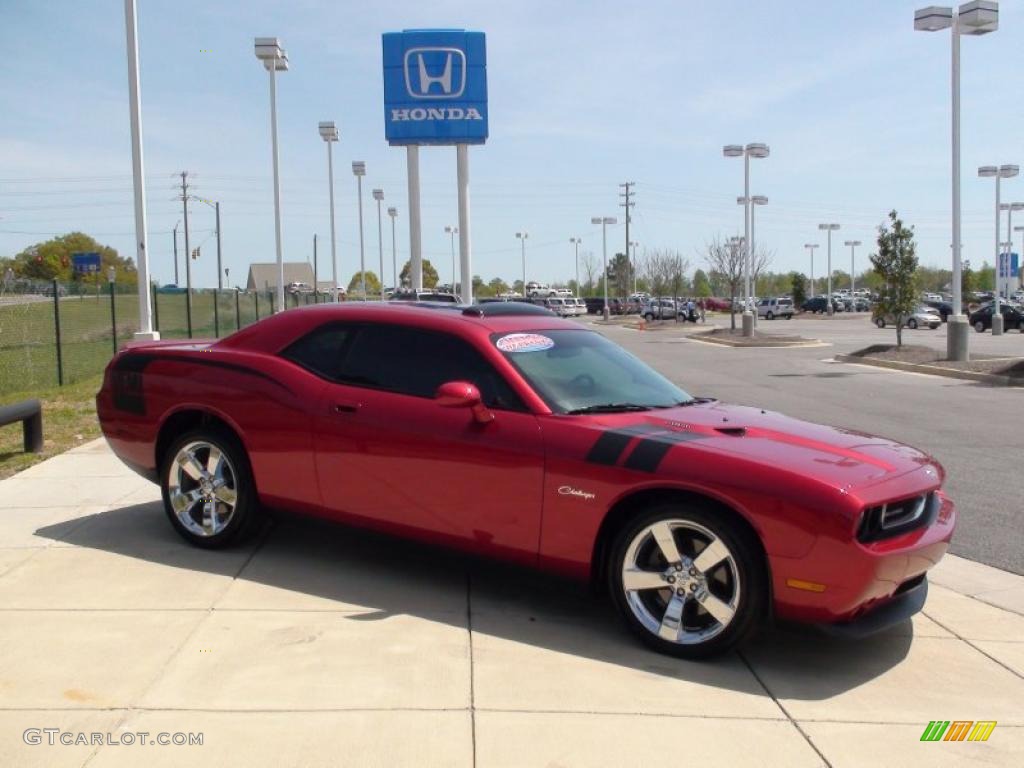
321	350
415	362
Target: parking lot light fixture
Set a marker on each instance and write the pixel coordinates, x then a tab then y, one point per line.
522	243
810	248
998	173
974	18
576	242
393	212
633	244
853	281
1020	272
760	151
269	51
604	221
359	170
1008	245
329	133
830	228
453	231
378	195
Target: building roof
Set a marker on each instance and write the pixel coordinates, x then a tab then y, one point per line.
264	276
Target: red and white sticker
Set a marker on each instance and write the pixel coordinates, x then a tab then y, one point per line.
524	342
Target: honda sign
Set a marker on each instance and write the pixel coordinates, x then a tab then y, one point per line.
435	87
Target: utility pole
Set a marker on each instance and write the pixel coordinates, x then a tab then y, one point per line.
175	231
316	283
220	283
627	204
188	254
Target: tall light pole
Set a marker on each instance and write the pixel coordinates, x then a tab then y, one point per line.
999	173
329	133
359	170
576	242
1009	208
810	249
604	221
830	228
757	150
175	232
453	231
522	242
632	261
753	202
1020	268
392	212
853	244
974	18
274	58
146	330
378	195
216	208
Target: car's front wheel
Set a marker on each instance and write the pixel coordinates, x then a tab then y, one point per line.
769	316
979	327
880	322
912	324
208	489
687	580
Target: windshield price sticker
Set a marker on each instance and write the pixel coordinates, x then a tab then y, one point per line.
524	342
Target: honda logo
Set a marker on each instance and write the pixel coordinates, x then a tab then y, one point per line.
435	73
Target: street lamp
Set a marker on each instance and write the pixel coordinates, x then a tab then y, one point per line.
1020	273
810	248
754	201
216	208
1000	172
576	242
853	244
378	195
756	150
359	170
522	242
974	18
1009	208
392	212
604	221
274	58
632	261
830	228
453	231
329	133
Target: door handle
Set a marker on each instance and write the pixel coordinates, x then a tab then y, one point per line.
346	407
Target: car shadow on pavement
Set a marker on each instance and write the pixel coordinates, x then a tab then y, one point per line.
306	564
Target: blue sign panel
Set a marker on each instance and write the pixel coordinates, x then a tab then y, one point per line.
1009	265
85	263
435	87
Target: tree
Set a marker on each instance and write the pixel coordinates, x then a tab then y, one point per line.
968	280
620	273
701	284
372	284
429	275
726	262
497	286
759	262
798	288
52	259
896	263
590	268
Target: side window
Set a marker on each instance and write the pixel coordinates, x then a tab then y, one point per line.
411	361
321	350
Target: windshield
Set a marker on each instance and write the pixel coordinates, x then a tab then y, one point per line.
579	371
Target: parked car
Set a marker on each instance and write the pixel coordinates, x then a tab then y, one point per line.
561	307
921	317
299	287
168	288
944	308
713	304
659	309
580	305
697	533
447	298
595	304
1013	317
769	309
819	304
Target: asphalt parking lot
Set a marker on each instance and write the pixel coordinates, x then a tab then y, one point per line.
973	429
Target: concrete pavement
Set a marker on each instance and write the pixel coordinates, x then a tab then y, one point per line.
321	646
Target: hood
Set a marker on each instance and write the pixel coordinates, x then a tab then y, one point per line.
847	460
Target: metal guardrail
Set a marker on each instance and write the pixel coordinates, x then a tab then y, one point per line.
30	414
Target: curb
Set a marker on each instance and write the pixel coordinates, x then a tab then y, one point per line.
992	379
706	338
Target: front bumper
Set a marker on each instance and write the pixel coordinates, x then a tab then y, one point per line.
890	613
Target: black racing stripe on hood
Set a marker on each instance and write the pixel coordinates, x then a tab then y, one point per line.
647	455
609	447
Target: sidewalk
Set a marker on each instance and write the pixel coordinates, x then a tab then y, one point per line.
319	646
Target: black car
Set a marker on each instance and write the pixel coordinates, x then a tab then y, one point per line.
818	304
945	308
1013	317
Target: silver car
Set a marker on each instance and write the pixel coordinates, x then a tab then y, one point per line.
921	317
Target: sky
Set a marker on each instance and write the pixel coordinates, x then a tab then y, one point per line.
854	104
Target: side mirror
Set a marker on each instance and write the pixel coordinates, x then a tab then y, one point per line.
462	394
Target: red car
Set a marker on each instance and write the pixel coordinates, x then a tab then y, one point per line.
508	432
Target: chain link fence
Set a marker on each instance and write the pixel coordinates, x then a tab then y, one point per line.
54	334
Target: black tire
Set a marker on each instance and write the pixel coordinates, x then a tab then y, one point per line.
246	517
751	578
769	316
912	324
979	327
880	322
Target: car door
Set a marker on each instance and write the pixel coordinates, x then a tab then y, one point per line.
388	454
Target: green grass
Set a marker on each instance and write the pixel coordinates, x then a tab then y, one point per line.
28	349
69	419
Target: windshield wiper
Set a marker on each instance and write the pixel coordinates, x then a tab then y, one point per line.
610	408
695	401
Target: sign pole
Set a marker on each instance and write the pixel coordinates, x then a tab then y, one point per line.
412	155
465	265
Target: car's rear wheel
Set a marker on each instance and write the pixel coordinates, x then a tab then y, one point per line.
687	580
208	489
979	327
769	316
880	322
912	324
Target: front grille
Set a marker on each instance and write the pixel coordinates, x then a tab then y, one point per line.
897	517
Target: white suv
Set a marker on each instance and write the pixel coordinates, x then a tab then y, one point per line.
769	309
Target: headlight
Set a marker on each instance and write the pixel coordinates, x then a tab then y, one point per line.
896	517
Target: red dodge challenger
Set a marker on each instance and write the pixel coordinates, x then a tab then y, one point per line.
505	431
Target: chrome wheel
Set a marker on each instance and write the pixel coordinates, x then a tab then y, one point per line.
681	581
201	488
